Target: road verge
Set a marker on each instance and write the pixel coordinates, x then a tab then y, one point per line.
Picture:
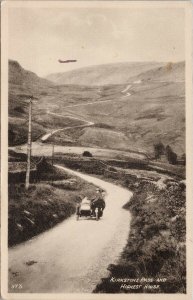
154	258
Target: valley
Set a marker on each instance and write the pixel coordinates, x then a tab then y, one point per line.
98	129
132	116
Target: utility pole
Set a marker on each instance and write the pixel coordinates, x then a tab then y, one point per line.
52	154
29	147
52	159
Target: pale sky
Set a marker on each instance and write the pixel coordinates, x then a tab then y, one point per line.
38	37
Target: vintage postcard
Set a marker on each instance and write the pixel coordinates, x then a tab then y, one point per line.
96	150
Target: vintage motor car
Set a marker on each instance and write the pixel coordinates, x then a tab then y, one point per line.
84	210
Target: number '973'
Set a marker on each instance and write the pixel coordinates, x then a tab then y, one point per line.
17	286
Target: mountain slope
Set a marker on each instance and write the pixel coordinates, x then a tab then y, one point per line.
148	110
20	76
22	85
152	113
174	72
118	73
145	110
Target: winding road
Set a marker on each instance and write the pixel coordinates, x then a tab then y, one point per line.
86	123
49	134
41	148
74	255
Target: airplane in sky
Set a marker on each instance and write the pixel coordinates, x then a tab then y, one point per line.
67	61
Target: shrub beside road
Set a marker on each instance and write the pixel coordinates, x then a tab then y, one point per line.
45	204
156	246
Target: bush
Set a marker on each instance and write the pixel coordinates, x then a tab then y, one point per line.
159	149
87	154
171	155
156	243
112	169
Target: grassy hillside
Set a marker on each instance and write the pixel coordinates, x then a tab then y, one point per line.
22	85
170	72
117	73
147	109
18	75
155	254
154	112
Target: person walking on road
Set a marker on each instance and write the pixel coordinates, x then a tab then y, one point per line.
98	201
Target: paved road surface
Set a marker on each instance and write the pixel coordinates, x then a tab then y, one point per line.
45	149
74	255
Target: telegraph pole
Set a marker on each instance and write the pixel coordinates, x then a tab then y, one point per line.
52	159
29	147
52	154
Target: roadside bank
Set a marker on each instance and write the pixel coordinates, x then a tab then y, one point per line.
154	259
50	199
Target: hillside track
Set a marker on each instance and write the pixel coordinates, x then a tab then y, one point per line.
87	123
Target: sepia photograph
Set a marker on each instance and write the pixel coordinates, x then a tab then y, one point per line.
96	164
